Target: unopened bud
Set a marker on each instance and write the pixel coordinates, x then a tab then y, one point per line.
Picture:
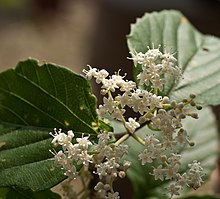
166	100
184	100
194	115
103	91
191	143
173	104
199	107
182	116
163	158
192	103
192	96
180	105
121	174
107	187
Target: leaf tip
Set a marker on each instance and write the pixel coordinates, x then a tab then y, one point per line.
183	20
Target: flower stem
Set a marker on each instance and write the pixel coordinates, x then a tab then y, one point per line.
122	139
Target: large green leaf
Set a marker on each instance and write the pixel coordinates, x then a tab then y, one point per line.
9	193
198	55
46	96
25	160
33	100
202	131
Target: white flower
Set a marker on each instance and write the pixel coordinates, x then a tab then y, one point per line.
151	141
109	85
118	79
158	173
153	54
102	111
137	57
155	102
112	195
109	104
174	159
131	125
101	75
194	175
174	190
123	99
145	157
84	158
169	57
61	138
135	100
128	86
144	77
66	163
91	72
171	171
83	142
118	113
182	180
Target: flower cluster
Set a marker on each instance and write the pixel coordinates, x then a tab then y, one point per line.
169	164
109	166
156	66
71	154
152	107
105	157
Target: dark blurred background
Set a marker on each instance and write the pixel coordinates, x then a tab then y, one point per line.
80	32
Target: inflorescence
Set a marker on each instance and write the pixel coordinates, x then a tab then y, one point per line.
153	108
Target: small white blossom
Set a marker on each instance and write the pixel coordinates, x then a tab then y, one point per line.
61	138
174	190
171	171
92	72
131	125
145	157
66	163
83	142
128	86
113	195
101	75
109	104
109	85
158	173
137	57
194	175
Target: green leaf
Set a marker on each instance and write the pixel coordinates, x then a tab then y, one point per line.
33	100
25	160
9	193
203	131
46	96
198	55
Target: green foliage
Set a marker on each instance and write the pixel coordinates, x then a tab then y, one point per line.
46	96
198	55
35	99
9	193
26	161
199	58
